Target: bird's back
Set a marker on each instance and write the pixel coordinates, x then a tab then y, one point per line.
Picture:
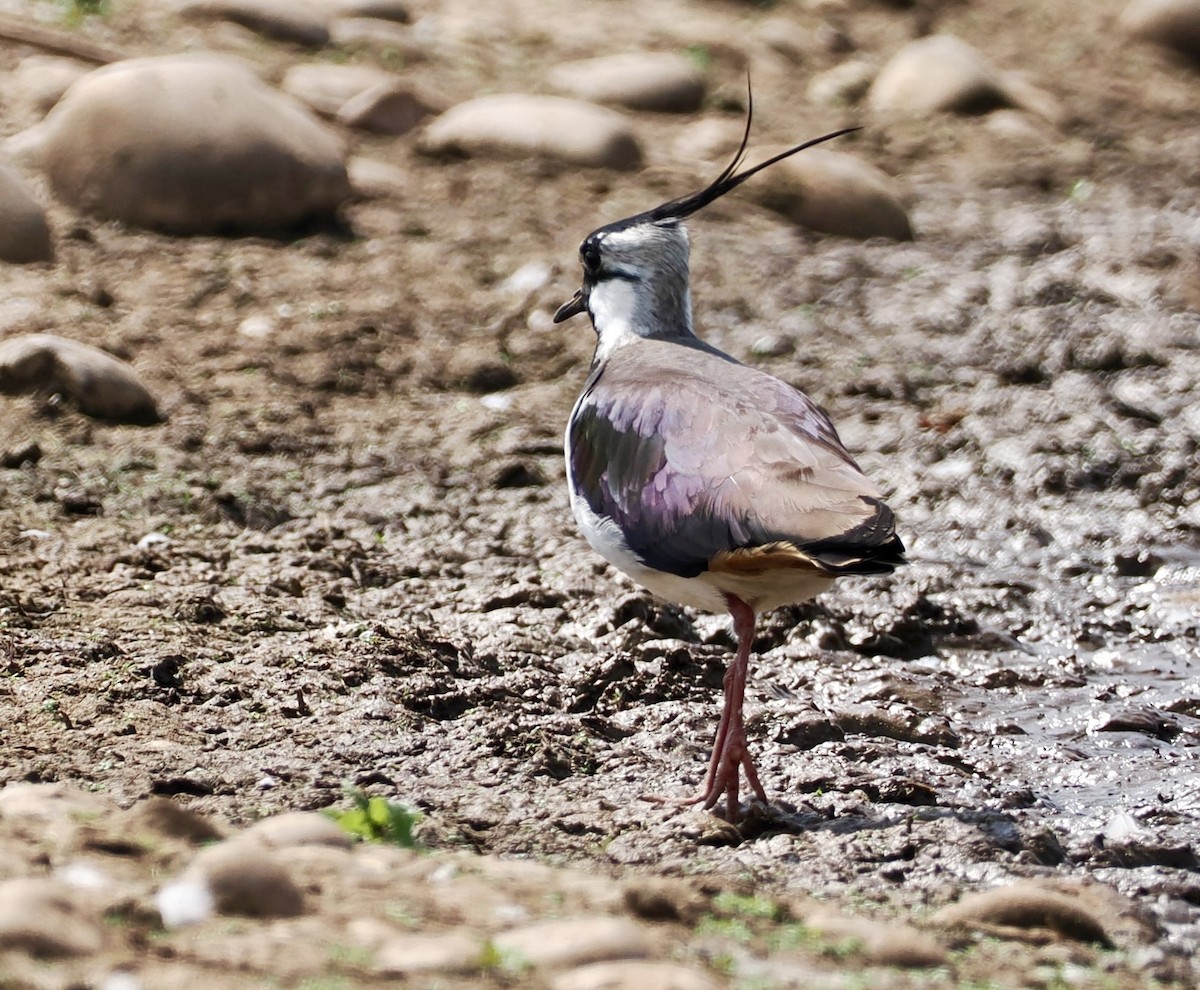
703	463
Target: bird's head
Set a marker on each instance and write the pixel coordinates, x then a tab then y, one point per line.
635	270
635	273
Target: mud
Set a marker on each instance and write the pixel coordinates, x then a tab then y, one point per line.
347	558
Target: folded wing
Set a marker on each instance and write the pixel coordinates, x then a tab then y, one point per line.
690	472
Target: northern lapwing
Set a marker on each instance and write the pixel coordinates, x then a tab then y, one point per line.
710	483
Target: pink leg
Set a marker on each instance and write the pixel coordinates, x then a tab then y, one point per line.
731	754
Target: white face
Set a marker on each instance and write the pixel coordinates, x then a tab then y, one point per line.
640	285
614	304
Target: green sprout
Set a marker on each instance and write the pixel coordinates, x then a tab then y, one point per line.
375	819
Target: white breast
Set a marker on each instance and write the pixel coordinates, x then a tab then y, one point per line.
606	539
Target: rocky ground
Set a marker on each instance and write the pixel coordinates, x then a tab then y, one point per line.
345	557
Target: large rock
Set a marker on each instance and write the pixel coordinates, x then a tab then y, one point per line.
100	384
24	233
943	74
640	81
834	193
190	144
935	74
303	22
1174	24
516	125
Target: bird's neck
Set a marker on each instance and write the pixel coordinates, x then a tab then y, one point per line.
626	310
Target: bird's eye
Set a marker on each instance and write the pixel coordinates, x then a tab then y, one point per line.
589	254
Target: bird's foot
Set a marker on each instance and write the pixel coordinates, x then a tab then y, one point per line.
724	778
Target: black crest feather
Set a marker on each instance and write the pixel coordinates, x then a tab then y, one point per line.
729	179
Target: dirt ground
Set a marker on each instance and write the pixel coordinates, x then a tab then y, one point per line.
347	558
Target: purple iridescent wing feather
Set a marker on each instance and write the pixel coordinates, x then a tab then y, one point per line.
688	471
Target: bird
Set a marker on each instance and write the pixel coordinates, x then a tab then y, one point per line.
709	482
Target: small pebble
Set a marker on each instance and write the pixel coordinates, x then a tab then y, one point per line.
381	10
298	828
497	401
575	941
1173	24
664	899
185	902
153	540
389	108
244	878
773	345
784	36
843	85
44	919
661	81
121	980
516	125
163	817
98	383
83	876
835	193
24	231
1016	126
882	943
327	88
1025	905
375	32
40	81
49	802
530	276
374	179
22	454
406	955
634	975
476	371
302	22
256	327
705	139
